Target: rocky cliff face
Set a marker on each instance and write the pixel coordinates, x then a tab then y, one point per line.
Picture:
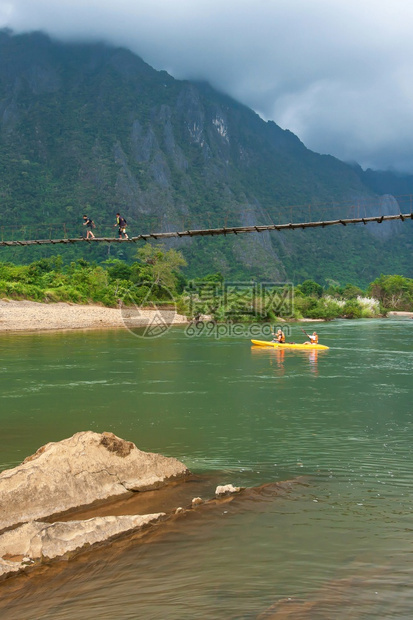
89	126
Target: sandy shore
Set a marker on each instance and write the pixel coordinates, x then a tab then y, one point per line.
33	316
396	313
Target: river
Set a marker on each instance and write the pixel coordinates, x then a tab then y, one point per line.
339	423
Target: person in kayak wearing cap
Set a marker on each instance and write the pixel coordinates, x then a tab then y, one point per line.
279	337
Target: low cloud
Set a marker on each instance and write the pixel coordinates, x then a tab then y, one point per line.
338	74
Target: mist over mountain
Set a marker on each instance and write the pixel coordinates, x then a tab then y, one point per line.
92	128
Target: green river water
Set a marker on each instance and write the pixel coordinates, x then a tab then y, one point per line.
338	544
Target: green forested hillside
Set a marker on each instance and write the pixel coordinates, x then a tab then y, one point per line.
93	129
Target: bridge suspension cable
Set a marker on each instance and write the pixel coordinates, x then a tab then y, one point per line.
234	230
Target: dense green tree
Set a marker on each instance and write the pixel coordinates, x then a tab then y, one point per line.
311	288
351	292
164	265
394	292
118	270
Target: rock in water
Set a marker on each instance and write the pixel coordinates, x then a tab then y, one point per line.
38	540
78	471
226	489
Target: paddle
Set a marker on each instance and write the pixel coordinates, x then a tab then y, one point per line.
306	334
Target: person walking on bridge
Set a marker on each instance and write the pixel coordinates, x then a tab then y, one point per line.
89	223
121	224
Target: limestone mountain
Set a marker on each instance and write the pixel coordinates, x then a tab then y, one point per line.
93	128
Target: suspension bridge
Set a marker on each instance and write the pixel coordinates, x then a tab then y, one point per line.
233	230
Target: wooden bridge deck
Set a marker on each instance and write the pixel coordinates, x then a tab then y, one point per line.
235	230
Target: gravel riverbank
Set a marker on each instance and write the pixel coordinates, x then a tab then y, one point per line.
33	316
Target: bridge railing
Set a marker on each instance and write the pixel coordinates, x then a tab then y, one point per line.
240	216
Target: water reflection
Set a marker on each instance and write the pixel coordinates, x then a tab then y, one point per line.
313	361
279	358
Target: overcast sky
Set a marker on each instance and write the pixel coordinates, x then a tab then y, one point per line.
338	73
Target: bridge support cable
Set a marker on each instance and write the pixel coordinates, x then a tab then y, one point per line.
211	231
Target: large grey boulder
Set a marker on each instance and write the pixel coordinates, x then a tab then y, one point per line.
79	471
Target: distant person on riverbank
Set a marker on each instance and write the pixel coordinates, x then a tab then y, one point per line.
89	223
313	339
121	224
279	337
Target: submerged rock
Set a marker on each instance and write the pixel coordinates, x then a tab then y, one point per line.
38	540
79	471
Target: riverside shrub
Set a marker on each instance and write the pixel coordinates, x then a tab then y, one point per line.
48	280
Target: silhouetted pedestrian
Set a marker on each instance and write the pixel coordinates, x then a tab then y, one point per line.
121	223
89	223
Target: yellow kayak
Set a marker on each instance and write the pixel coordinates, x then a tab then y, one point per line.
289	345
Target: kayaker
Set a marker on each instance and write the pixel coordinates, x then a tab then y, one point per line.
313	339
279	337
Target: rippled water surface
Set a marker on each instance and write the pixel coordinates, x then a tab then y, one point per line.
337	545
